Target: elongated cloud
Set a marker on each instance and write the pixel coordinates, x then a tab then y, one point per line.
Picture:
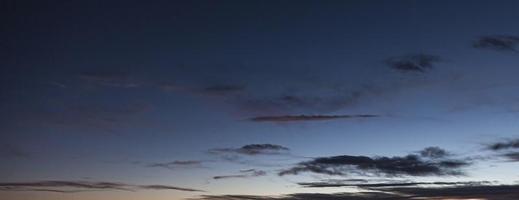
177	164
413	63
253	149
390	184
504	145
487	192
410	165
498	43
82	186
244	174
295	118
434	152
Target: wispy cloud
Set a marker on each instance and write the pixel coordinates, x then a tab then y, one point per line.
508	149
409	165
391	184
178	164
413	63
83	186
110	79
434	152
295	118
253	149
498	43
243	174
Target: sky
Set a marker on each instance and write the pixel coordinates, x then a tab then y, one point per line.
270	100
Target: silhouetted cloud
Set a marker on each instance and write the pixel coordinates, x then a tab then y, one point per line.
504	145
413	63
82	186
390	184
487	192
410	165
244	174
498	43
254	149
292	118
178	163
434	152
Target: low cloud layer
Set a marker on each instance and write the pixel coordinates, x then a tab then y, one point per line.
83	186
487	192
410	165
295	118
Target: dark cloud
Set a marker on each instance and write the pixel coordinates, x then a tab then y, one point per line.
504	145
222	89
244	174
410	165
254	149
178	164
413	63
498	43
487	192
389	184
512	156
293	118
434	152
82	186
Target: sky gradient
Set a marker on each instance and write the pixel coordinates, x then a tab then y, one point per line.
285	100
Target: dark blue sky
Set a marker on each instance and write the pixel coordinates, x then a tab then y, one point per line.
167	98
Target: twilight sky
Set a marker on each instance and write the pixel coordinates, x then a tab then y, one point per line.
270	100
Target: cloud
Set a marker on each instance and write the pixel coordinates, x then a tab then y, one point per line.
110	79
413	63
434	152
410	165
487	192
254	149
294	118
178	164
513	156
504	145
498	43
244	174
220	90
389	184
82	186
13	151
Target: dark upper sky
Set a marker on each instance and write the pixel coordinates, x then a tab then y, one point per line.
177	99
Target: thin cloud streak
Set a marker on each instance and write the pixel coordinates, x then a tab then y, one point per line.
296	118
83	186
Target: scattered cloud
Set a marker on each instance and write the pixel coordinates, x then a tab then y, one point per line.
254	149
82	186
504	145
413	63
410	165
294	118
498	43
178	164
434	152
243	174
